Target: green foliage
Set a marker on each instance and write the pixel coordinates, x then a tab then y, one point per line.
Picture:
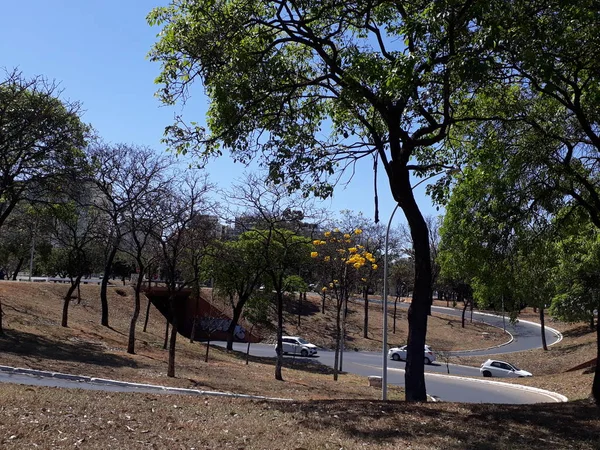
42	139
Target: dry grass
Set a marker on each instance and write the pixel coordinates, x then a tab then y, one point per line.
35	339
52	418
444	332
324	414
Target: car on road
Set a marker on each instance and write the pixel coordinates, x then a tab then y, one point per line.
495	368
295	345
399	354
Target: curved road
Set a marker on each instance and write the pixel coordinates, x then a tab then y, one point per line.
440	386
525	336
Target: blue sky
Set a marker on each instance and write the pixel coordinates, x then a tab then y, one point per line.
97	51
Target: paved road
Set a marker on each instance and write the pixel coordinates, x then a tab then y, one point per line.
525	335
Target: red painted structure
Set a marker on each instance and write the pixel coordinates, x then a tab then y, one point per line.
211	322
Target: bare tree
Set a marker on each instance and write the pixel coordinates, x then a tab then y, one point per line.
178	208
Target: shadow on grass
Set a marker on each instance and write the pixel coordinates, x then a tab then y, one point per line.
31	345
308	364
579	331
473	426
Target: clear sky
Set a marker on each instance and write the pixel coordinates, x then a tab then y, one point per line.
97	50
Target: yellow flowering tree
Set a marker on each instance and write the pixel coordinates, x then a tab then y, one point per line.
339	260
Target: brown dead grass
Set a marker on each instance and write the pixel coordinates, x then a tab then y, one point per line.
444	332
35	339
32	417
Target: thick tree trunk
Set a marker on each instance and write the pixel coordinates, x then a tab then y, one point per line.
543	329
134	317
596	383
279	347
173	340
104	286
18	269
366	319
420	306
67	299
237	312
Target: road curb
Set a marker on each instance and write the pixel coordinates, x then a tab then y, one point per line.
558	334
109	382
559	398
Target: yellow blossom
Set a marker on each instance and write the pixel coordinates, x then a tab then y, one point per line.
357	265
327	233
313	254
352	250
357	231
374	266
331	285
327	258
317	242
322	242
348	240
346	236
335	281
323	289
364	279
336	230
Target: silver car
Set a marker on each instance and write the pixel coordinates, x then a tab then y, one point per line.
494	368
399	354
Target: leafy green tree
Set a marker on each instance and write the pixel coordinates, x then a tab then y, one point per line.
310	88
238	270
41	139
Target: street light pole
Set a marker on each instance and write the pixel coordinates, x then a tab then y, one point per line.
385	318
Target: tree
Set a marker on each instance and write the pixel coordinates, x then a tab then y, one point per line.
341	259
238	270
177	210
41	139
280	73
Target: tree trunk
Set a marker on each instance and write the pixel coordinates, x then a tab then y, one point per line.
596	383
395	311
592	322
134	318
543	329
166	341
366	319
195	320
336	357
279	347
323	302
1	316
465	304
420	306
207	346
104	286
248	348
171	370
17	269
147	315
237	312
67	299
299	309
343	335
471	303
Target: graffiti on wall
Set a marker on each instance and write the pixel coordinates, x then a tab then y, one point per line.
212	324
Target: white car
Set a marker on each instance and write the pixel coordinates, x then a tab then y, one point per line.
399	354
295	345
494	368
